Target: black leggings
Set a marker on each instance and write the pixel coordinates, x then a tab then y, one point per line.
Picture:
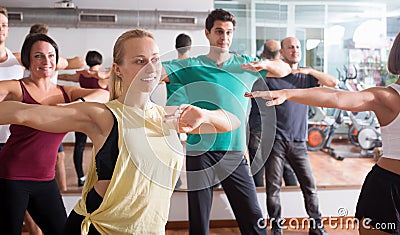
379	200
74	221
79	148
42	200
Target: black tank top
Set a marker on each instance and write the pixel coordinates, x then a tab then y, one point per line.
107	156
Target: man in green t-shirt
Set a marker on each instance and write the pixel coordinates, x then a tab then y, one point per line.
218	80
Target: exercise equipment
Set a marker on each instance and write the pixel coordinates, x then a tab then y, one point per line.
320	136
322	129
364	130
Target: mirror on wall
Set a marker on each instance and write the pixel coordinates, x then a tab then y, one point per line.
344	39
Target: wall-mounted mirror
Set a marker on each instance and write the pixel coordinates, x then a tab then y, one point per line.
346	40
332	37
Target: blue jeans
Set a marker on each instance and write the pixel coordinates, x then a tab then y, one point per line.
255	144
296	154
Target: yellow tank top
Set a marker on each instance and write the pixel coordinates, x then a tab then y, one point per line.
147	169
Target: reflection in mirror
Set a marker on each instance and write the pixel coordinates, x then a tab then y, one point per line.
326	33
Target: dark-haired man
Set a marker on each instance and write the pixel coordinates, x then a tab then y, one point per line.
213	81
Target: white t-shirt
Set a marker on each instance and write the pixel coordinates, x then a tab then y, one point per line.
391	136
9	70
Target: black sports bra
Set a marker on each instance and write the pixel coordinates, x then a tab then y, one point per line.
107	156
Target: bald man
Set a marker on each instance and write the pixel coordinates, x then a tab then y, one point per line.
290	139
271	52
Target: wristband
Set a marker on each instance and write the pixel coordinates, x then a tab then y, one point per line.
80	98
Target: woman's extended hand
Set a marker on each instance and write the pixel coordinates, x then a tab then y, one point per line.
187	117
254	66
273	97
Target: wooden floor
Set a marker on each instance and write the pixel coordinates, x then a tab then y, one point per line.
349	171
327	171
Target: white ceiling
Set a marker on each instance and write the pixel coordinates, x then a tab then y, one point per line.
194	5
393	6
343	9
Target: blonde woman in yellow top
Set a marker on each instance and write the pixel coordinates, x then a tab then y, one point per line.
137	155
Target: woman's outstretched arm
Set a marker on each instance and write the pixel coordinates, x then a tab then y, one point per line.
69	77
320	96
195	120
75	117
377	99
91	95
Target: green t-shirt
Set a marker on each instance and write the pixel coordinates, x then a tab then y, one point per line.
176	93
263	73
211	87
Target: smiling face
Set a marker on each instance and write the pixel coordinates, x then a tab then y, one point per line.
140	65
4	29
291	50
221	34
42	59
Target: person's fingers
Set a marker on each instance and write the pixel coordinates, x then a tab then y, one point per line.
248	94
247	67
271	97
295	71
173	116
251	66
170	116
269	103
176	116
273	102
255	94
181	112
183	107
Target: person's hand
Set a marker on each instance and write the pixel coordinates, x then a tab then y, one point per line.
95	74
191	118
275	68
273	97
302	70
254	66
187	118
